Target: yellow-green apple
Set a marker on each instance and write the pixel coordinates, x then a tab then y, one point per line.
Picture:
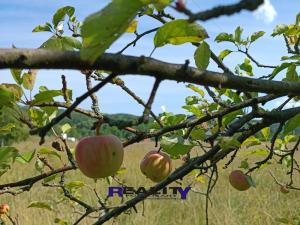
99	156
156	166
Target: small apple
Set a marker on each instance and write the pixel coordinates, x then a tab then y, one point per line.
4	208
238	180
99	156
156	166
284	189
180	5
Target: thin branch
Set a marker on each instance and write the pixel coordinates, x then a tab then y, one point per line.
250	5
32	180
42	131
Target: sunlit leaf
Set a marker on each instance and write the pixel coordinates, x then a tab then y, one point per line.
43	28
224	53
66	127
25	157
6	129
196	89
175	146
46	96
292	124
202	56
40	205
29	79
132	26
16	74
102	28
47	151
178	32
266	133
75	184
224	37
280	29
7	157
256	35
61	13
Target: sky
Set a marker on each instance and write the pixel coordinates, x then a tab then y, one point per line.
19	17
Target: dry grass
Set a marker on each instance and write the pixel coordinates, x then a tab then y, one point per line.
257	206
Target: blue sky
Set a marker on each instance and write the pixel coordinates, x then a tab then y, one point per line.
19	17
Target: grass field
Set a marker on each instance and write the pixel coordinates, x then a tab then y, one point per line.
257	206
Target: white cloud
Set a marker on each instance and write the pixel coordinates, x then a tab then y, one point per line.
266	12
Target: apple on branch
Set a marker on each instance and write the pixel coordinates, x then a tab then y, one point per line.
156	166
99	156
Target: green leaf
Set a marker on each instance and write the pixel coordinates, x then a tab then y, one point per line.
122	170
290	138
244	164
224	37
196	89
65	128
9	94
230	117
61	221
25	157
170	120
161	4
40	205
71	43
250	181
237	34
287	161
266	133
291	74
175	146
61	13
251	141
229	143
178	32
280	29
62	43
279	68
297	19
258	151
256	36
102	28
29	79
7	157
202	56
198	134
224	53
6	129
43	28
247	67
75	184
46	96
50	178
292	124
16	74
47	151
194	109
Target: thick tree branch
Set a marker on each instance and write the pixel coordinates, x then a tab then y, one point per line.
122	64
